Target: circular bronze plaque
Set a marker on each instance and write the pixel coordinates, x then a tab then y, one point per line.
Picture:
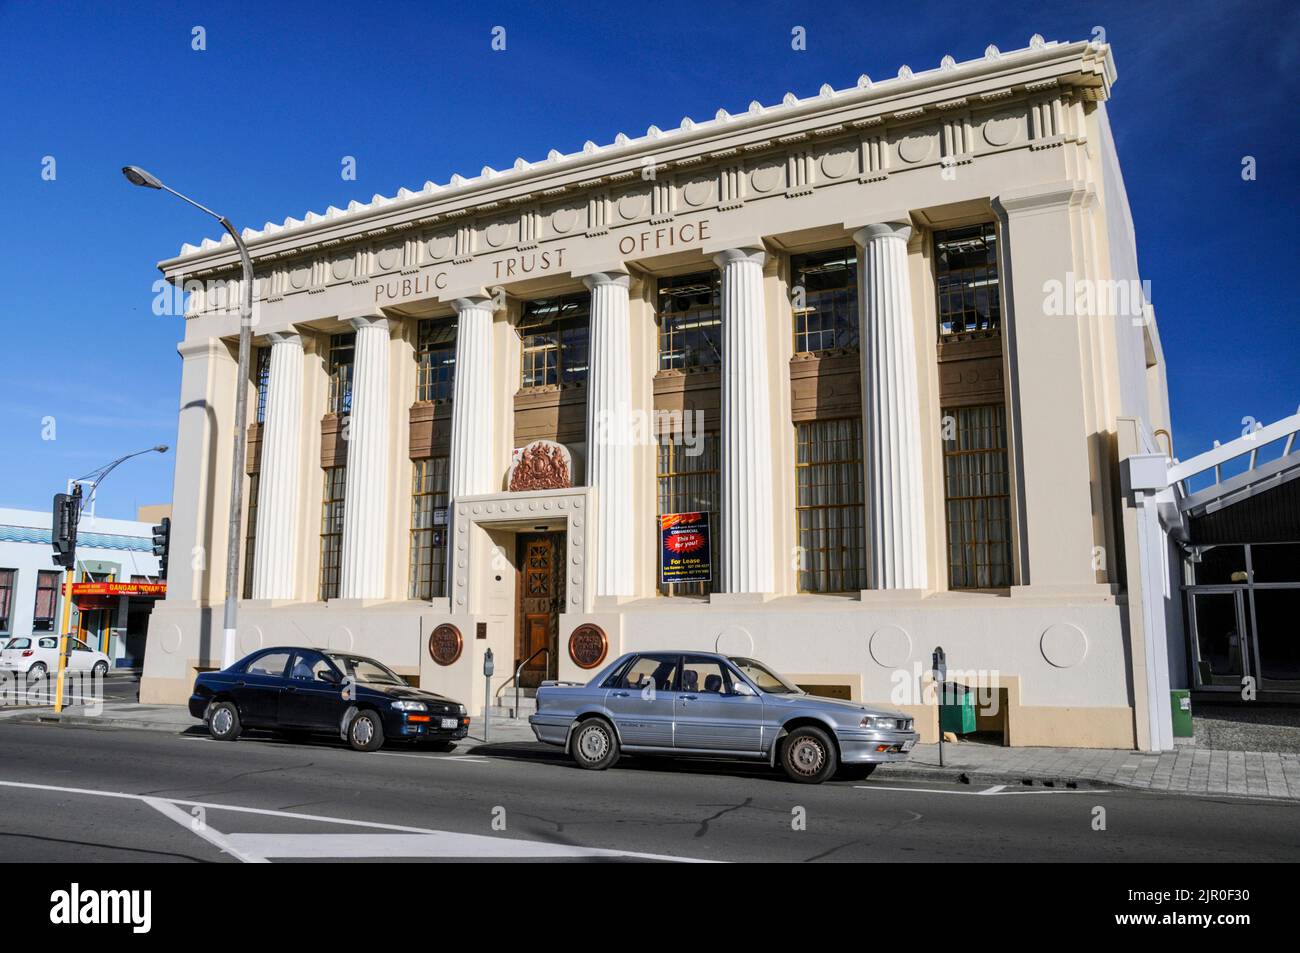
588	645
445	644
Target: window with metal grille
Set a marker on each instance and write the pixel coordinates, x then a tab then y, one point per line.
435	356
339	368
554	332
966	279
429	503
250	534
331	530
263	381
825	298
977	489
7	577
688	309
47	601
689	482
829	507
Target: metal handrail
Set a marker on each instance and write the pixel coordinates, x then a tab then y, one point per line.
519	671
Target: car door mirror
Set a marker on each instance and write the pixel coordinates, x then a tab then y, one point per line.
328	675
742	688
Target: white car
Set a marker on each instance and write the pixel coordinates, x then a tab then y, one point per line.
38	655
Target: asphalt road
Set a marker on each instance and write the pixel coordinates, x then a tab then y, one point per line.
87	794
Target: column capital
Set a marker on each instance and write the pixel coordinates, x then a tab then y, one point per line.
750	253
609	277
473	302
368	318
878	230
285	337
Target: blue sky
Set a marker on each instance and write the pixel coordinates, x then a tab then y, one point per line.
256	126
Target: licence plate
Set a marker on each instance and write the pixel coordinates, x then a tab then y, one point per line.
450	722
907	745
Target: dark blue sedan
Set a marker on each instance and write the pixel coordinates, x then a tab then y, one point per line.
300	691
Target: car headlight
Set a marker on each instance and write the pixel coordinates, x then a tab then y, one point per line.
410	706
878	721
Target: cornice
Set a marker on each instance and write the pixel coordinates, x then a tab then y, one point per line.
910	96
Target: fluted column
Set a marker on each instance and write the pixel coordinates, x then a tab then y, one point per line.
895	501
747	521
275	544
609	437
365	508
472	415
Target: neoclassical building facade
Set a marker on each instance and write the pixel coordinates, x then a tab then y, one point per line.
812	382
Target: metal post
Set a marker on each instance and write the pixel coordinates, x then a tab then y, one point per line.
488	668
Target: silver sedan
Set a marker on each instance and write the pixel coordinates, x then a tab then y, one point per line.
701	703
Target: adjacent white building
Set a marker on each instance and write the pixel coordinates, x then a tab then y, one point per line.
831	381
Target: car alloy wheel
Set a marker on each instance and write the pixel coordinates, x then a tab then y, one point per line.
222	720
101	669
807	756
362	731
594	743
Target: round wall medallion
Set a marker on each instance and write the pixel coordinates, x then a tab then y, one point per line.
890	646
1063	645
766	177
445	644
734	640
588	645
563	220
837	164
1001	129
915	148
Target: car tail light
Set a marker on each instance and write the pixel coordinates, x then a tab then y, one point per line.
27	653
882	748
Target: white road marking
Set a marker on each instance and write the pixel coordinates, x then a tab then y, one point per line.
995	791
257	845
437	758
201	828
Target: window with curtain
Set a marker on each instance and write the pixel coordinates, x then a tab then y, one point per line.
429	504
966	279
47	600
688	310
331	530
829	508
977	490
250	533
554	332
7	577
263	381
826	313
690	483
339	367
435	355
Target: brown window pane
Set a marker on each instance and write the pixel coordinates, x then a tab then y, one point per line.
554	333
331	531
966	279
688	310
429	511
829	511
977	490
436	358
689	483
826	312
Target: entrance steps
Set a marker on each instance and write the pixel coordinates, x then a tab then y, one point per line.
504	704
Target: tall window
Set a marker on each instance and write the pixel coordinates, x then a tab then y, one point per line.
331	531
47	600
829	506
826	311
436	355
966	278
978	492
688	309
555	335
6	597
254	484
689	483
263	381
339	367
429	501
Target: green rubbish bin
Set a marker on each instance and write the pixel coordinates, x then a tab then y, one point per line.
1180	700
956	709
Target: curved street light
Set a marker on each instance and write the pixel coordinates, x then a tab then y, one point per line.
138	176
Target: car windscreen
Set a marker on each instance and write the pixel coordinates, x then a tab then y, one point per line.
367	671
766	679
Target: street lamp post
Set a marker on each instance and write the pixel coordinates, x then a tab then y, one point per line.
138	176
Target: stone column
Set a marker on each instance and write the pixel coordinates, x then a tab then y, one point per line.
747	555
365	509
609	437
471	409
891	417
275	559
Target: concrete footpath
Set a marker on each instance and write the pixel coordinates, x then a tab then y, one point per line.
1186	770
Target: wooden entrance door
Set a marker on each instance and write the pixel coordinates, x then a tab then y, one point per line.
541	596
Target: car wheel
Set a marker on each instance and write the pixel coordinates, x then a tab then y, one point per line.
223	721
366	733
100	669
856	772
594	745
442	746
808	755
38	671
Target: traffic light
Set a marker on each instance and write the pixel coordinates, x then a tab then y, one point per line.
162	542
63	531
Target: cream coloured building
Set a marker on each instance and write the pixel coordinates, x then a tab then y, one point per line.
872	333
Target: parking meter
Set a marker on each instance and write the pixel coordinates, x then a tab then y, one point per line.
489	666
939	664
